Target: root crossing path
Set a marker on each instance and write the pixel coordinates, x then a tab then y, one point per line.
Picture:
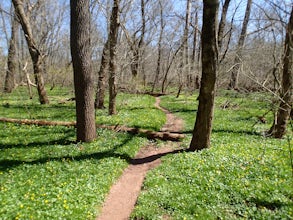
123	194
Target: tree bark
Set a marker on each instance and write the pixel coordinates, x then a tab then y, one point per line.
278	129
11	60
114	26
186	68
222	24
164	81
158	68
141	43
35	53
237	62
203	125
194	63
81	60
183	70
100	95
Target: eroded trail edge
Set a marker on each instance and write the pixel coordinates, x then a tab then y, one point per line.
123	194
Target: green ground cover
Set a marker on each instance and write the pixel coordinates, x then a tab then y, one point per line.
242	176
133	110
45	175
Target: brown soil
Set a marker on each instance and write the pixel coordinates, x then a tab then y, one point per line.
173	124
123	194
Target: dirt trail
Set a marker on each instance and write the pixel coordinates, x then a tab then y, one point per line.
173	124
123	194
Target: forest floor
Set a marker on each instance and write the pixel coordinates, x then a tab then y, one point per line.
45	174
123	194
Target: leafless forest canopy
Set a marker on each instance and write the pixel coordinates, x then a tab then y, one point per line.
158	44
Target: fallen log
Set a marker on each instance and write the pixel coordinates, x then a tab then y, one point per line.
165	136
38	122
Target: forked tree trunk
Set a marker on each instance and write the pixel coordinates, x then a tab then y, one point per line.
237	62
114	26
134	65
11	60
81	60
136	44
35	53
203	125
278	129
100	95
222	24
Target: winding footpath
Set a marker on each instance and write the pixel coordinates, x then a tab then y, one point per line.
123	194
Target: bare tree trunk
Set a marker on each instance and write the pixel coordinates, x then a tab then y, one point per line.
164	82
141	43
81	60
222	24
134	60
114	26
11	61
203	125
193	57
28	81
36	55
278	129
100	95
237	62
136	44
183	67
158	68
186	46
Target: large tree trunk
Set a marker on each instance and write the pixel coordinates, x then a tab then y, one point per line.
35	53
114	26
237	62
81	60
278	129
100	95
203	125
11	60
